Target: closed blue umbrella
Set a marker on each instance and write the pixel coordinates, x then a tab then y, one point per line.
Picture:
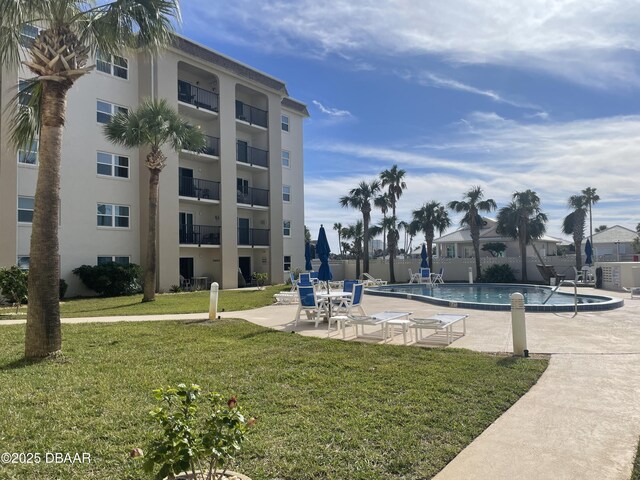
322	251
588	250
307	257
423	255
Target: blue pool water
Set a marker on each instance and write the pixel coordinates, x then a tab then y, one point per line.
491	296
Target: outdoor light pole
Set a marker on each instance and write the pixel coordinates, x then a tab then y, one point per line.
617	242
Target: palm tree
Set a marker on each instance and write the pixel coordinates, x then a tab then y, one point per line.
592	198
70	32
383	202
153	125
393	179
355	233
430	217
523	220
360	198
338	227
472	204
601	228
573	224
406	227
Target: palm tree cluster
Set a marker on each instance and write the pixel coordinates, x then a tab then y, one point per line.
522	219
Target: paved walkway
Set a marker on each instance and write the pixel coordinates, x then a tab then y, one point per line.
580	421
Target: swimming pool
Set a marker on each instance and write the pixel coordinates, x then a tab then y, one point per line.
495	296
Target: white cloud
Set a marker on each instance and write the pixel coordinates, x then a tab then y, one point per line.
590	41
332	112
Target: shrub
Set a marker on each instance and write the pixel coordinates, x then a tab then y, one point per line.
111	279
13	285
260	278
63	288
175	289
498	274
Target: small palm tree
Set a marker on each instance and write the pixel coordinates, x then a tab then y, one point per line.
154	124
356	234
522	220
360	198
471	205
573	224
431	217
70	32
592	198
383	202
338	227
393	179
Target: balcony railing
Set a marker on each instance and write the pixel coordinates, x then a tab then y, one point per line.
199	235
196	96
253	236
253	115
198	188
254	196
251	155
211	146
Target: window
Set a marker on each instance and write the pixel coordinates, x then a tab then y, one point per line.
113	215
30	155
286	193
28	34
25	90
113	165
107	110
23	262
113	258
25	209
451	251
286	228
284	120
287	263
286	158
113	65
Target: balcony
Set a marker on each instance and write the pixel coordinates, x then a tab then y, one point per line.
254	197
251	237
199	235
198	188
251	156
251	115
211	147
197	97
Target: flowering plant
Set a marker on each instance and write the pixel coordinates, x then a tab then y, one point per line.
201	444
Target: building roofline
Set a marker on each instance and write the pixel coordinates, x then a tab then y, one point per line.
293	104
208	55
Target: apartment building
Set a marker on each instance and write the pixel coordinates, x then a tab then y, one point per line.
236	207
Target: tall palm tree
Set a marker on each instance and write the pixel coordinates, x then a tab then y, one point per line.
406	227
383	202
154	124
471	205
393	179
338	227
592	198
523	220
356	234
360	198
573	224
429	218
71	31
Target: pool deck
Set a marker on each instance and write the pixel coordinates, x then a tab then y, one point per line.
580	421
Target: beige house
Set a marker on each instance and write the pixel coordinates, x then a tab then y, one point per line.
458	244
614	244
239	204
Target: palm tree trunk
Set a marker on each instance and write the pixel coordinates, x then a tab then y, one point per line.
391	243
365	262
429	239
149	284
43	336
523	257
476	250
578	254
357	266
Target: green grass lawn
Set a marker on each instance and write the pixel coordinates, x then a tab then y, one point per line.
191	302
326	409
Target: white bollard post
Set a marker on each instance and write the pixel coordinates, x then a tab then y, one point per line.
213	301
470	275
518	325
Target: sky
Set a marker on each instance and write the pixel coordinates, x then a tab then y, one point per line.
508	95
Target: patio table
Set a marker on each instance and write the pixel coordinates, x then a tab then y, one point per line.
331	296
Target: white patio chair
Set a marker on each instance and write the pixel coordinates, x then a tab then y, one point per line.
437	277
425	276
414	277
314	309
372	281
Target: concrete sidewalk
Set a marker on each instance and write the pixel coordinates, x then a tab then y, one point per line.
580	421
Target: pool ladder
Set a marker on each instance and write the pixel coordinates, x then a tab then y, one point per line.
575	294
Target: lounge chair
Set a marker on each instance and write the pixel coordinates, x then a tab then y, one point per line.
439	323
414	277
425	276
309	304
372	281
294	282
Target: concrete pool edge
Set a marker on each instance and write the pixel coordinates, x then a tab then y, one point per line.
608	302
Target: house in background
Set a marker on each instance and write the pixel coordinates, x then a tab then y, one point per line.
458	244
614	244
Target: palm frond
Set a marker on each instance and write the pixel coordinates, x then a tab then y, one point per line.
24	113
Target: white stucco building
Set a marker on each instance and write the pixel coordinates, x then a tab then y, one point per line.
237	205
